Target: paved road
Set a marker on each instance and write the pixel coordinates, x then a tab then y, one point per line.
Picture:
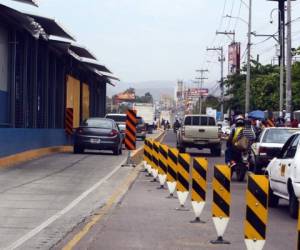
146	219
43	200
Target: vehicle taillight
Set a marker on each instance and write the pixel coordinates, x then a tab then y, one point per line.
114	132
263	151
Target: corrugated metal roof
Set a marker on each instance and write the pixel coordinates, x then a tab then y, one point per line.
82	51
32	2
95	64
51	26
108	75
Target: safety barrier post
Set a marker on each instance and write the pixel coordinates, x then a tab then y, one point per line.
199	186
221	201
130	135
183	178
172	170
163	165
155	160
147	157
256	211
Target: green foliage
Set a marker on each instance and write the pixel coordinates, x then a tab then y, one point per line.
147	98
296	85
264	87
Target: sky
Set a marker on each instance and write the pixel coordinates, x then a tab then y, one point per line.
165	40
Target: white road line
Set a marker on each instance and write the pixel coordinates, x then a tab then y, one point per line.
59	214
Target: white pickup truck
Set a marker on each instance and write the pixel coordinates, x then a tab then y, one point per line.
199	131
284	175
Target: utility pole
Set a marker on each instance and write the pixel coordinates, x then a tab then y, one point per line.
227	33
248	77
289	62
221	60
200	86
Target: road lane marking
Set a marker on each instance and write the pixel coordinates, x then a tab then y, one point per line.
68	208
122	190
62	212
103	211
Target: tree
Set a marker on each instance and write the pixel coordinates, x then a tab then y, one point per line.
264	88
147	98
130	91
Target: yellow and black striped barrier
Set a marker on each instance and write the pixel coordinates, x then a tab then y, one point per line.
183	178
147	156
256	211
155	159
163	164
172	170
199	186
221	201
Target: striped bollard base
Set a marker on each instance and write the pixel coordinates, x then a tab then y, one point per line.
172	188
183	175
221	201
256	212
162	180
199	186
162	165
172	171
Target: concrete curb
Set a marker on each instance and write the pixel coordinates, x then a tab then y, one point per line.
12	160
26	156
137	155
72	240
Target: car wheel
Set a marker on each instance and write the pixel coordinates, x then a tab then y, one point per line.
77	149
273	200
116	151
293	204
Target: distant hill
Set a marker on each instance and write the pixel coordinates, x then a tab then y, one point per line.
156	88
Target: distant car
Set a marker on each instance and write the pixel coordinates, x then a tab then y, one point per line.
98	134
141	130
268	145
120	119
284	175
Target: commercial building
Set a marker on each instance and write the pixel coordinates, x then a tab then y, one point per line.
43	71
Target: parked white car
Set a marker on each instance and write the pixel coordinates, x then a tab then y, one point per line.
284	175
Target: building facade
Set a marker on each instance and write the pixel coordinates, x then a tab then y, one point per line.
41	76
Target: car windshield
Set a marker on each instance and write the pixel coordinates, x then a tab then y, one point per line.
98	123
117	118
199	121
278	135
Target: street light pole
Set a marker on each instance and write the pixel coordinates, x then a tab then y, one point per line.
248	77
289	62
281	69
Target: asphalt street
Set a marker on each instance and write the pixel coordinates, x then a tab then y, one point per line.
146	219
45	199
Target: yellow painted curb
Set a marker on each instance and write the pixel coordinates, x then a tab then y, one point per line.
121	190
11	160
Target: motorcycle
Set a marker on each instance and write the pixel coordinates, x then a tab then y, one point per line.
240	166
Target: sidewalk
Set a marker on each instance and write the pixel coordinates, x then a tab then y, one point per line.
147	219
